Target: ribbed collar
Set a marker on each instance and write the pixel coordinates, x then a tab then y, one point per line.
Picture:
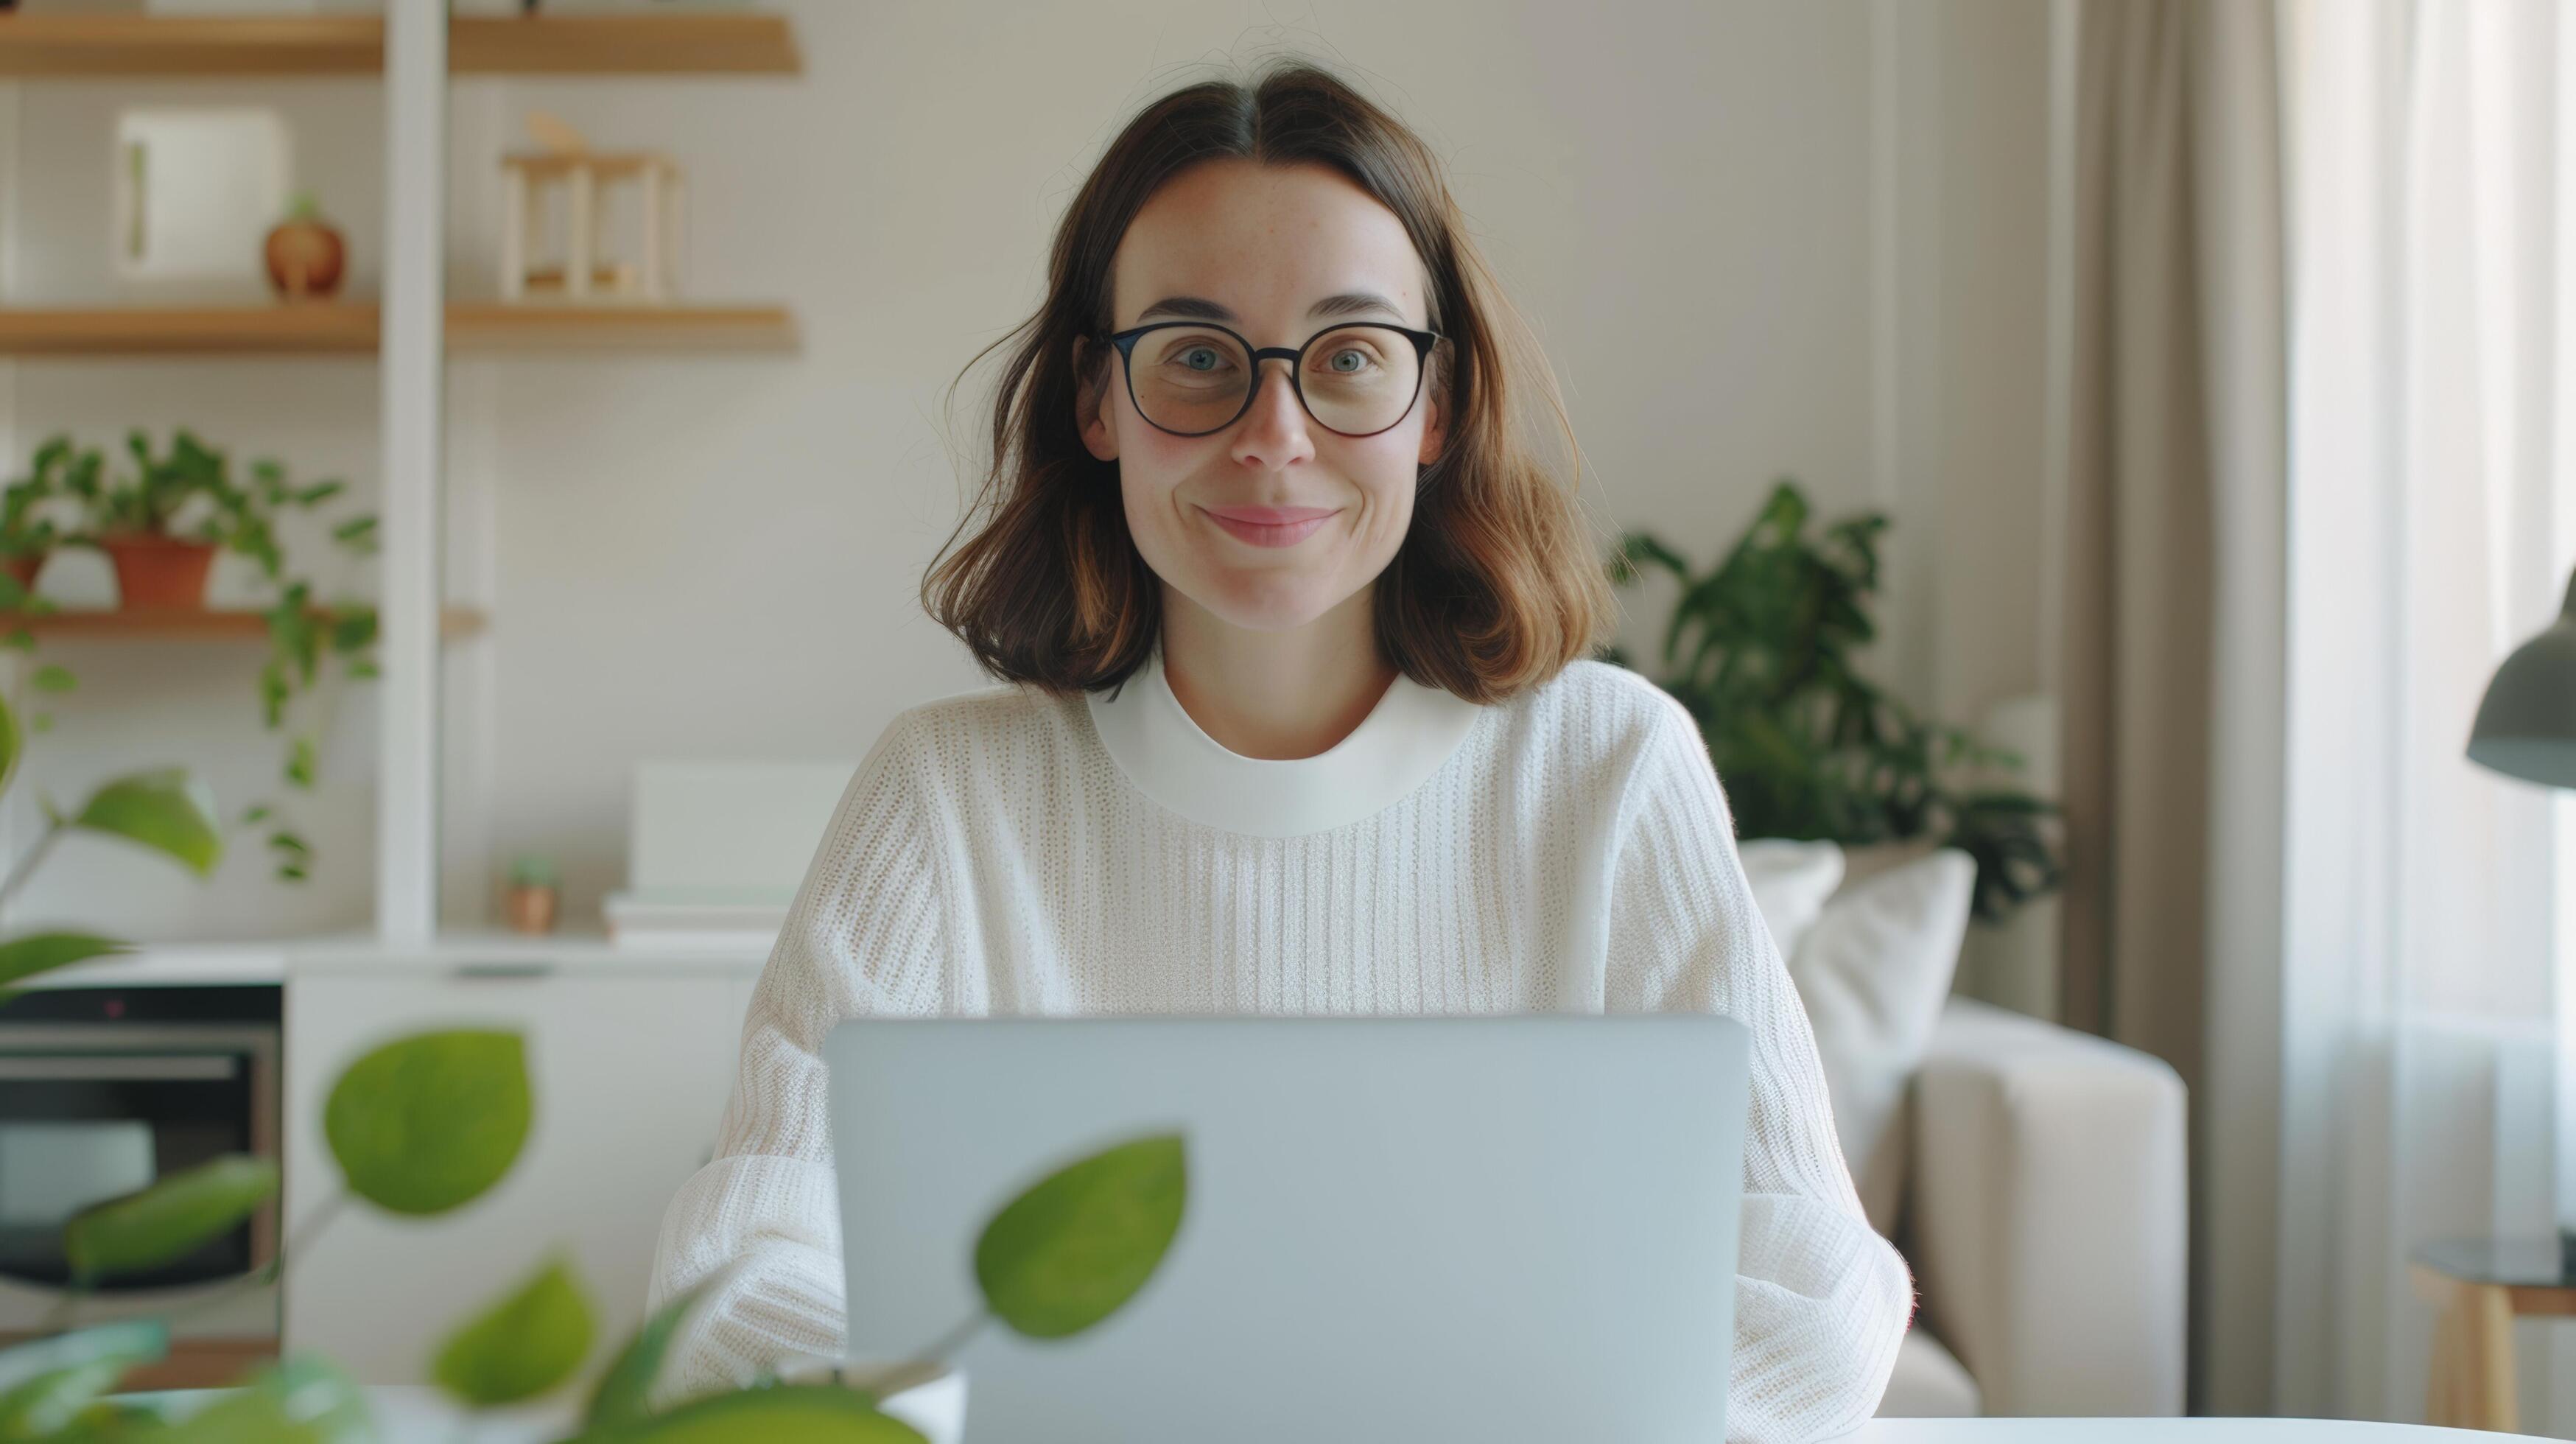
1395	749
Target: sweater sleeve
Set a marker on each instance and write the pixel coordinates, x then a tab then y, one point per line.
1821	1300
759	1225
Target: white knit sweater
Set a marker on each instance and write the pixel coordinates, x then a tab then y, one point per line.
1006	852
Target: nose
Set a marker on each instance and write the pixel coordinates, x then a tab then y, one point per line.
1273	433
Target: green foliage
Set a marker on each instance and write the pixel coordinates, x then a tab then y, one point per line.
162	809
790	1414
1761	650
426	1123
301	1399
1079	1243
623	1395
169	1219
24	957
190	491
46	1384
522	1346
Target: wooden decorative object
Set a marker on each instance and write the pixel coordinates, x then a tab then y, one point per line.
584	268
306	255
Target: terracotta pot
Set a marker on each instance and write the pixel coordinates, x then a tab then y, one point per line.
158	571
305	258
532	908
24	567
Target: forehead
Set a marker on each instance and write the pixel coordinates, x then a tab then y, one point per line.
1265	242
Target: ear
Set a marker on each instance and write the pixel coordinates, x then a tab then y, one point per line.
1091	398
1435	430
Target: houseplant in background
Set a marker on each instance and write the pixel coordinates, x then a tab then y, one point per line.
161	524
27	534
1761	650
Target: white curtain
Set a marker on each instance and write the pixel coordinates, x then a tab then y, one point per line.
2431	187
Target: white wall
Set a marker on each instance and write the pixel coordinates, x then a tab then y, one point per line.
1757	239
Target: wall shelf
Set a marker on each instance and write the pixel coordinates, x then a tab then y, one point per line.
334	329
711	43
184	623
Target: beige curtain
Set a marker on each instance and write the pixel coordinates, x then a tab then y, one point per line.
2169	642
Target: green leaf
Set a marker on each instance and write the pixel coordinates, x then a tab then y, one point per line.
53	677
24	957
161	809
523	1346
320	491
45	1383
302	1399
257	812
621	1397
299	762
12	743
363	670
41	723
21	639
786	1414
426	1123
178	1212
353	629
1080	1242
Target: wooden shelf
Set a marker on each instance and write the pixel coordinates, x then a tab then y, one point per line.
330	329
704	43
708	43
184	623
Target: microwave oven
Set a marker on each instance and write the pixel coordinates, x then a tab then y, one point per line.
103	1091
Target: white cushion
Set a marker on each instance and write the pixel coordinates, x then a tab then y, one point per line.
1791	881
1928	1383
1874	970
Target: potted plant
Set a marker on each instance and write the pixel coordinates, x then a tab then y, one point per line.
1761	650
162	525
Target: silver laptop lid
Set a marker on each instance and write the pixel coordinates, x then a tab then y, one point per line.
1485	1228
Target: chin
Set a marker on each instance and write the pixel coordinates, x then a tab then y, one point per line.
1271	603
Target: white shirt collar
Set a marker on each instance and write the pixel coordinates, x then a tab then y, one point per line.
1161	749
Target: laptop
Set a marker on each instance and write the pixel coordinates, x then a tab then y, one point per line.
1396	1228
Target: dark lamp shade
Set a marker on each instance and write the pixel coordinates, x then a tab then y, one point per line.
2526	727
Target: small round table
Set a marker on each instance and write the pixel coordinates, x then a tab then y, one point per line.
2480	1285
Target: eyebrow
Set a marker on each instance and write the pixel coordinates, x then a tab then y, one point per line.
1196	308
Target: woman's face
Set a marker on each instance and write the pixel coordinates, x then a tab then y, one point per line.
1274	520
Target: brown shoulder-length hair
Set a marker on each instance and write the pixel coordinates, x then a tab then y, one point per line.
1497	585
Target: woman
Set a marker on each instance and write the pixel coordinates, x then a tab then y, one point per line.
1298	719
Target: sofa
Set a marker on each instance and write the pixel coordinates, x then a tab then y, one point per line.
2031	1175
2043	1214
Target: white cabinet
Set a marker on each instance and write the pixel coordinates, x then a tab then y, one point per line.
630	1070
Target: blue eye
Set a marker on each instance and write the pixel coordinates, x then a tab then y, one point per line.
1207	351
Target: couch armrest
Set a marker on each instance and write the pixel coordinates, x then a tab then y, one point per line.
2047	1221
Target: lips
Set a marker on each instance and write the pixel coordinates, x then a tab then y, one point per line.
1270	526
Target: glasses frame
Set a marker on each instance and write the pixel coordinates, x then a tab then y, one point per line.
1295	356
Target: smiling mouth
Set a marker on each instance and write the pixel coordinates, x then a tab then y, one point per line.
1271	526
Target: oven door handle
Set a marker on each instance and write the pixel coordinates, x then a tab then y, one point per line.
116	1068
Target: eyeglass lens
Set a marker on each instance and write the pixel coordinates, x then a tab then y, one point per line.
1357	379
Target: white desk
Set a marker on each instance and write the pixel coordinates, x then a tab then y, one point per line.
417	1414
2141	1431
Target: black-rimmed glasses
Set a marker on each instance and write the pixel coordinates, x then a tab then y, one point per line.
1193	378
